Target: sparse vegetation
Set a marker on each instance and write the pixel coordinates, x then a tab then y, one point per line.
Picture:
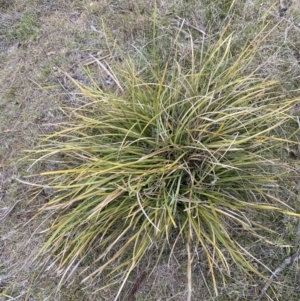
176	159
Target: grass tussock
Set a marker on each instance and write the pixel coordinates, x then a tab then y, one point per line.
184	150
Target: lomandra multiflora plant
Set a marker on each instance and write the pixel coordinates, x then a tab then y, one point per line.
183	151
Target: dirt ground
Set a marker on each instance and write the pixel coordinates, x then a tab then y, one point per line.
38	38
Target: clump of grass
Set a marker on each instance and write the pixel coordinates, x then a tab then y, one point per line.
183	150
26	29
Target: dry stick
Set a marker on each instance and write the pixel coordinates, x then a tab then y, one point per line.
109	72
298	121
288	261
87	62
95	61
135	287
9	210
194	27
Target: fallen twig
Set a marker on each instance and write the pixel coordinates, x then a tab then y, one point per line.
88	61
288	261
135	287
96	60
298	121
109	71
194	27
8	210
